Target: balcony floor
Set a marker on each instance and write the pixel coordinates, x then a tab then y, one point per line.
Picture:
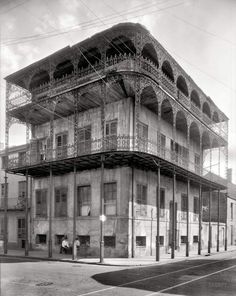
139	160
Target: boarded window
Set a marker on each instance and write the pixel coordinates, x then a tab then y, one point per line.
140	241
84	201
60	202
110	241
41	202
110	198
141	207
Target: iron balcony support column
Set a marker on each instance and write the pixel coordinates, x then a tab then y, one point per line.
158	214
187	225
74	252
5	214
218	222
26	215
226	224
30	214
200	221
102	211
209	223
50	215
173	218
133	218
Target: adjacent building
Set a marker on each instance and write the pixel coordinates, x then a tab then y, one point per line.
122	148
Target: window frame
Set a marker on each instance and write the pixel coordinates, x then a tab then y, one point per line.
81	204
63	210
109	201
42	210
141	208
141	241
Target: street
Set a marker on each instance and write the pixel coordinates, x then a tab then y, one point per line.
213	275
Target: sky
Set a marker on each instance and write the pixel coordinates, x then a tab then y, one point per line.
199	34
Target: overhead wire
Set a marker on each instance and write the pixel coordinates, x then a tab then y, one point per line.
44	36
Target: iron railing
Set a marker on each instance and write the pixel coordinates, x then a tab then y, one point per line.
108	144
132	63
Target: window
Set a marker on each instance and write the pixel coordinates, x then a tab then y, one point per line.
22	189
183	239
195	239
58	239
60	202
184	206
61	144
143	136
84	200
21	227
197	163
41	238
141	207
22	158
41	203
161	239
231	210
111	135
1	226
195	208
163	145
84	140
196	205
110	196
110	241
162	202
84	240
140	241
3	189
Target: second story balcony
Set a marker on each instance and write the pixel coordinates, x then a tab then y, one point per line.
118	147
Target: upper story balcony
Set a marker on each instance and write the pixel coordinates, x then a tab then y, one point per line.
184	159
128	63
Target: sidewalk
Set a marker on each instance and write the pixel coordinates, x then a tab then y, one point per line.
140	261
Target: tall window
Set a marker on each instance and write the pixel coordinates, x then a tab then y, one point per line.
61	144
60	202
162	202
184	206
41	202
143	136
84	201
141	207
163	145
22	189
84	140
197	163
110	198
3	189
111	135
232	210
195	208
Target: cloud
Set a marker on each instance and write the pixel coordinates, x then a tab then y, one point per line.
66	20
71	5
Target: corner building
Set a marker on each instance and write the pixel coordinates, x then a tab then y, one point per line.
117	128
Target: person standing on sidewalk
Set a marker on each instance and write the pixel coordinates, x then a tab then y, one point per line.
76	247
64	245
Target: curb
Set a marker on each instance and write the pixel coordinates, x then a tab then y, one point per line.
112	264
